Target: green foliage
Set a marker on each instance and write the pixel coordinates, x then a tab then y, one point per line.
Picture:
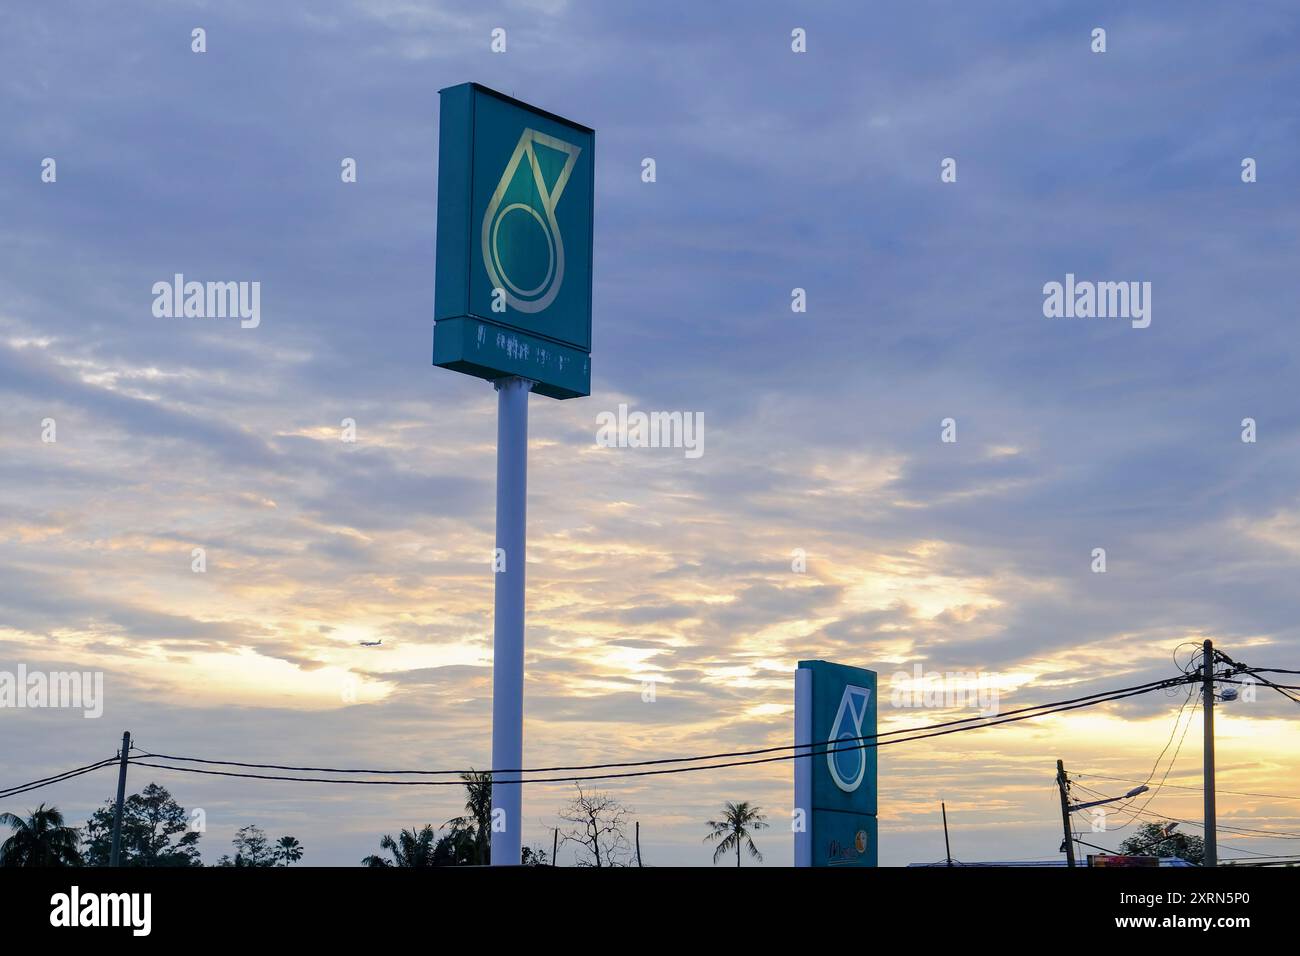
1154	839
39	840
735	830
412	848
535	856
155	832
253	848
475	826
288	850
468	841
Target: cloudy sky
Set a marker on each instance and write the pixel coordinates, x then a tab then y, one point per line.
775	171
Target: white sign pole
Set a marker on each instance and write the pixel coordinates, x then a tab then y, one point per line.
803	766
508	620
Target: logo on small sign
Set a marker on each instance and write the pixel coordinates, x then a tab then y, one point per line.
848	764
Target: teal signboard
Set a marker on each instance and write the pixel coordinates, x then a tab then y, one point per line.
835	787
512	294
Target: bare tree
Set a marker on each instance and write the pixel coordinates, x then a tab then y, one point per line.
596	824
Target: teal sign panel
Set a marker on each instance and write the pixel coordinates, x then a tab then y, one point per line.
842	821
512	294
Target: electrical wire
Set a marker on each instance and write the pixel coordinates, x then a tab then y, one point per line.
1229	828
1124	808
1289	696
813	749
1151	817
1173	786
1189	668
1256	671
1172	760
56	778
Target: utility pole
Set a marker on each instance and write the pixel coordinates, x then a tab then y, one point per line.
638	843
555	846
116	852
1064	785
947	850
1207	686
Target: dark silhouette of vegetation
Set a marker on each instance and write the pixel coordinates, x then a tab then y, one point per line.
739	821
1155	839
155	832
411	849
596	825
535	856
254	848
475	826
467	842
288	850
41	839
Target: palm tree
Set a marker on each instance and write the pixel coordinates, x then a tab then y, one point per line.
477	820
738	819
40	840
288	849
409	849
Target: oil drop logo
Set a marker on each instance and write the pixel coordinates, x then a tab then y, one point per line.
848	766
522	246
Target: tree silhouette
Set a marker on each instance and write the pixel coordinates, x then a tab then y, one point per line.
597	823
410	849
288	850
734	829
40	840
155	832
1155	839
477	819
252	848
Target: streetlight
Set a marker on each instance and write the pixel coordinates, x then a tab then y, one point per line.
1097	803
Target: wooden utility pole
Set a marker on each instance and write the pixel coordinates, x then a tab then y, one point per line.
115	853
947	850
638	843
1207	688
555	846
1064	785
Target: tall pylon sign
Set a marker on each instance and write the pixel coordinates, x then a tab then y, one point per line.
512	304
512	295
835	770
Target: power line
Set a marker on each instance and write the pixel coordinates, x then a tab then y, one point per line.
1152	816
1172	760
1256	671
1224	680
1139	813
56	778
1277	687
814	749
1230	828
1173	786
1155	766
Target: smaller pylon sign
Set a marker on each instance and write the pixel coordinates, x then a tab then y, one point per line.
835	772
